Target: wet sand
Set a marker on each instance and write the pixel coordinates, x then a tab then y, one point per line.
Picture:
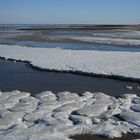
93	137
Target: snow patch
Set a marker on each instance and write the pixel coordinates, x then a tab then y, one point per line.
123	64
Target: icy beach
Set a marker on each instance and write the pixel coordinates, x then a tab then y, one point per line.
111	63
55	115
59	116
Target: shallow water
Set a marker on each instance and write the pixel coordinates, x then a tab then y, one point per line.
23	77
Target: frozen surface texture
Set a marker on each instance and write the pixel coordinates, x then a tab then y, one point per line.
119	63
49	116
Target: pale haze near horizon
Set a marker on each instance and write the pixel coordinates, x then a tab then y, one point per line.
69	11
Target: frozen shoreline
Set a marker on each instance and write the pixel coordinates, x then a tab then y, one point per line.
109	63
58	116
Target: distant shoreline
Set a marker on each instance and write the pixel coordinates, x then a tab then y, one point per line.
79	27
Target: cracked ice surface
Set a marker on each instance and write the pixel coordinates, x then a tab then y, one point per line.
123	64
49	116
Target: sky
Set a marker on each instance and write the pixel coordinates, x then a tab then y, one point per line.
69	11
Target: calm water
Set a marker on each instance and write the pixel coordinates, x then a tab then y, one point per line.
21	76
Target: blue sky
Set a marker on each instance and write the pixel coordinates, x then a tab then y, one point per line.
70	11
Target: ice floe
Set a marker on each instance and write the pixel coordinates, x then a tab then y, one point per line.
49	116
112	63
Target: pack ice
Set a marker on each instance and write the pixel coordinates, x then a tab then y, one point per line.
49	116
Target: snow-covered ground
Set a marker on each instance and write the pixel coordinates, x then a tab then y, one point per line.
113	63
57	116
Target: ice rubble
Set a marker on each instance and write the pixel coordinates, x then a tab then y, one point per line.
123	64
49	116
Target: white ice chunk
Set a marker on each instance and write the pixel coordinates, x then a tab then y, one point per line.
59	116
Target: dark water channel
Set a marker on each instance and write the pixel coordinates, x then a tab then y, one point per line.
23	77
